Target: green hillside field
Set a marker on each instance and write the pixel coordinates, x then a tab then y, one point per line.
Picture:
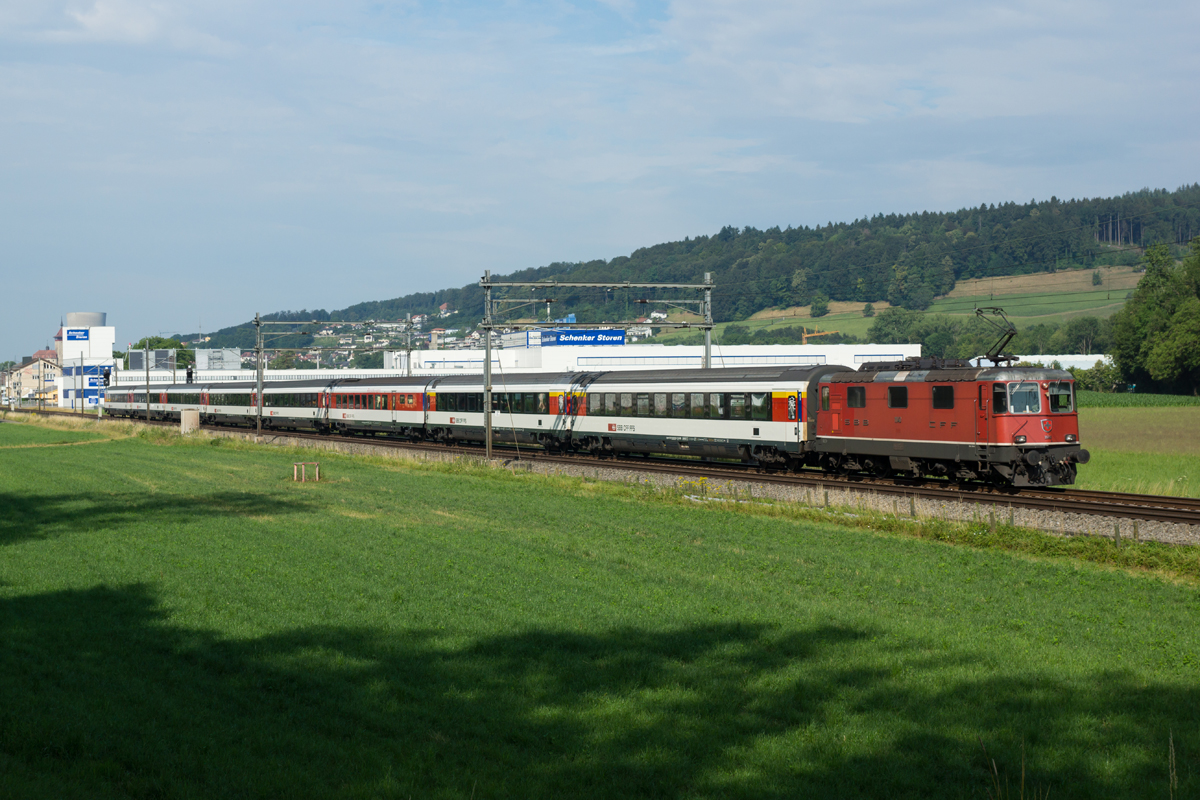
180	619
1027	300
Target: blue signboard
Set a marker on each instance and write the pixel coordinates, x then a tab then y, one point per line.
77	334
552	338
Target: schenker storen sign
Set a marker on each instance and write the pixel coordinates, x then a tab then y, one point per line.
552	338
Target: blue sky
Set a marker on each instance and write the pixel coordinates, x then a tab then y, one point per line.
182	164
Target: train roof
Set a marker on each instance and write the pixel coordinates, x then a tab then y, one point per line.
500	380
782	372
939	370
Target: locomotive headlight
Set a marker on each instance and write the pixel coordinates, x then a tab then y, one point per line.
1072	437
1019	439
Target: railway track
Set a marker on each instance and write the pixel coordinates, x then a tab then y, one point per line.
1120	505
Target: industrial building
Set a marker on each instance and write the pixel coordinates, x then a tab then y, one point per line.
559	358
85	351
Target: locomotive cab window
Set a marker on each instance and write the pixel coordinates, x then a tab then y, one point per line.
1024	398
897	397
943	397
856	396
824	398
1062	397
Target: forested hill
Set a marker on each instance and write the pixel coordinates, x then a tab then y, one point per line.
905	259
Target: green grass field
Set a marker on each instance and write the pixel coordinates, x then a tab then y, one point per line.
180	619
1130	400
1037	307
22	435
1153	450
1027	299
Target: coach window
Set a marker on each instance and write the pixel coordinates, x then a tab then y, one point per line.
626	404
611	408
737	406
943	397
543	404
472	402
716	405
698	405
897	397
595	403
643	405
661	409
824	398
760	406
678	404
856	397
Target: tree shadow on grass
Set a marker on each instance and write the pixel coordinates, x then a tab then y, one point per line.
37	516
104	697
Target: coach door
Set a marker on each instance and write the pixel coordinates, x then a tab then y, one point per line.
786	408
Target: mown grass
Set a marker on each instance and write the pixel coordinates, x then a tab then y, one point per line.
17	434
180	619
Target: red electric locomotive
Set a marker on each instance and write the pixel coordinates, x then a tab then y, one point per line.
1011	425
